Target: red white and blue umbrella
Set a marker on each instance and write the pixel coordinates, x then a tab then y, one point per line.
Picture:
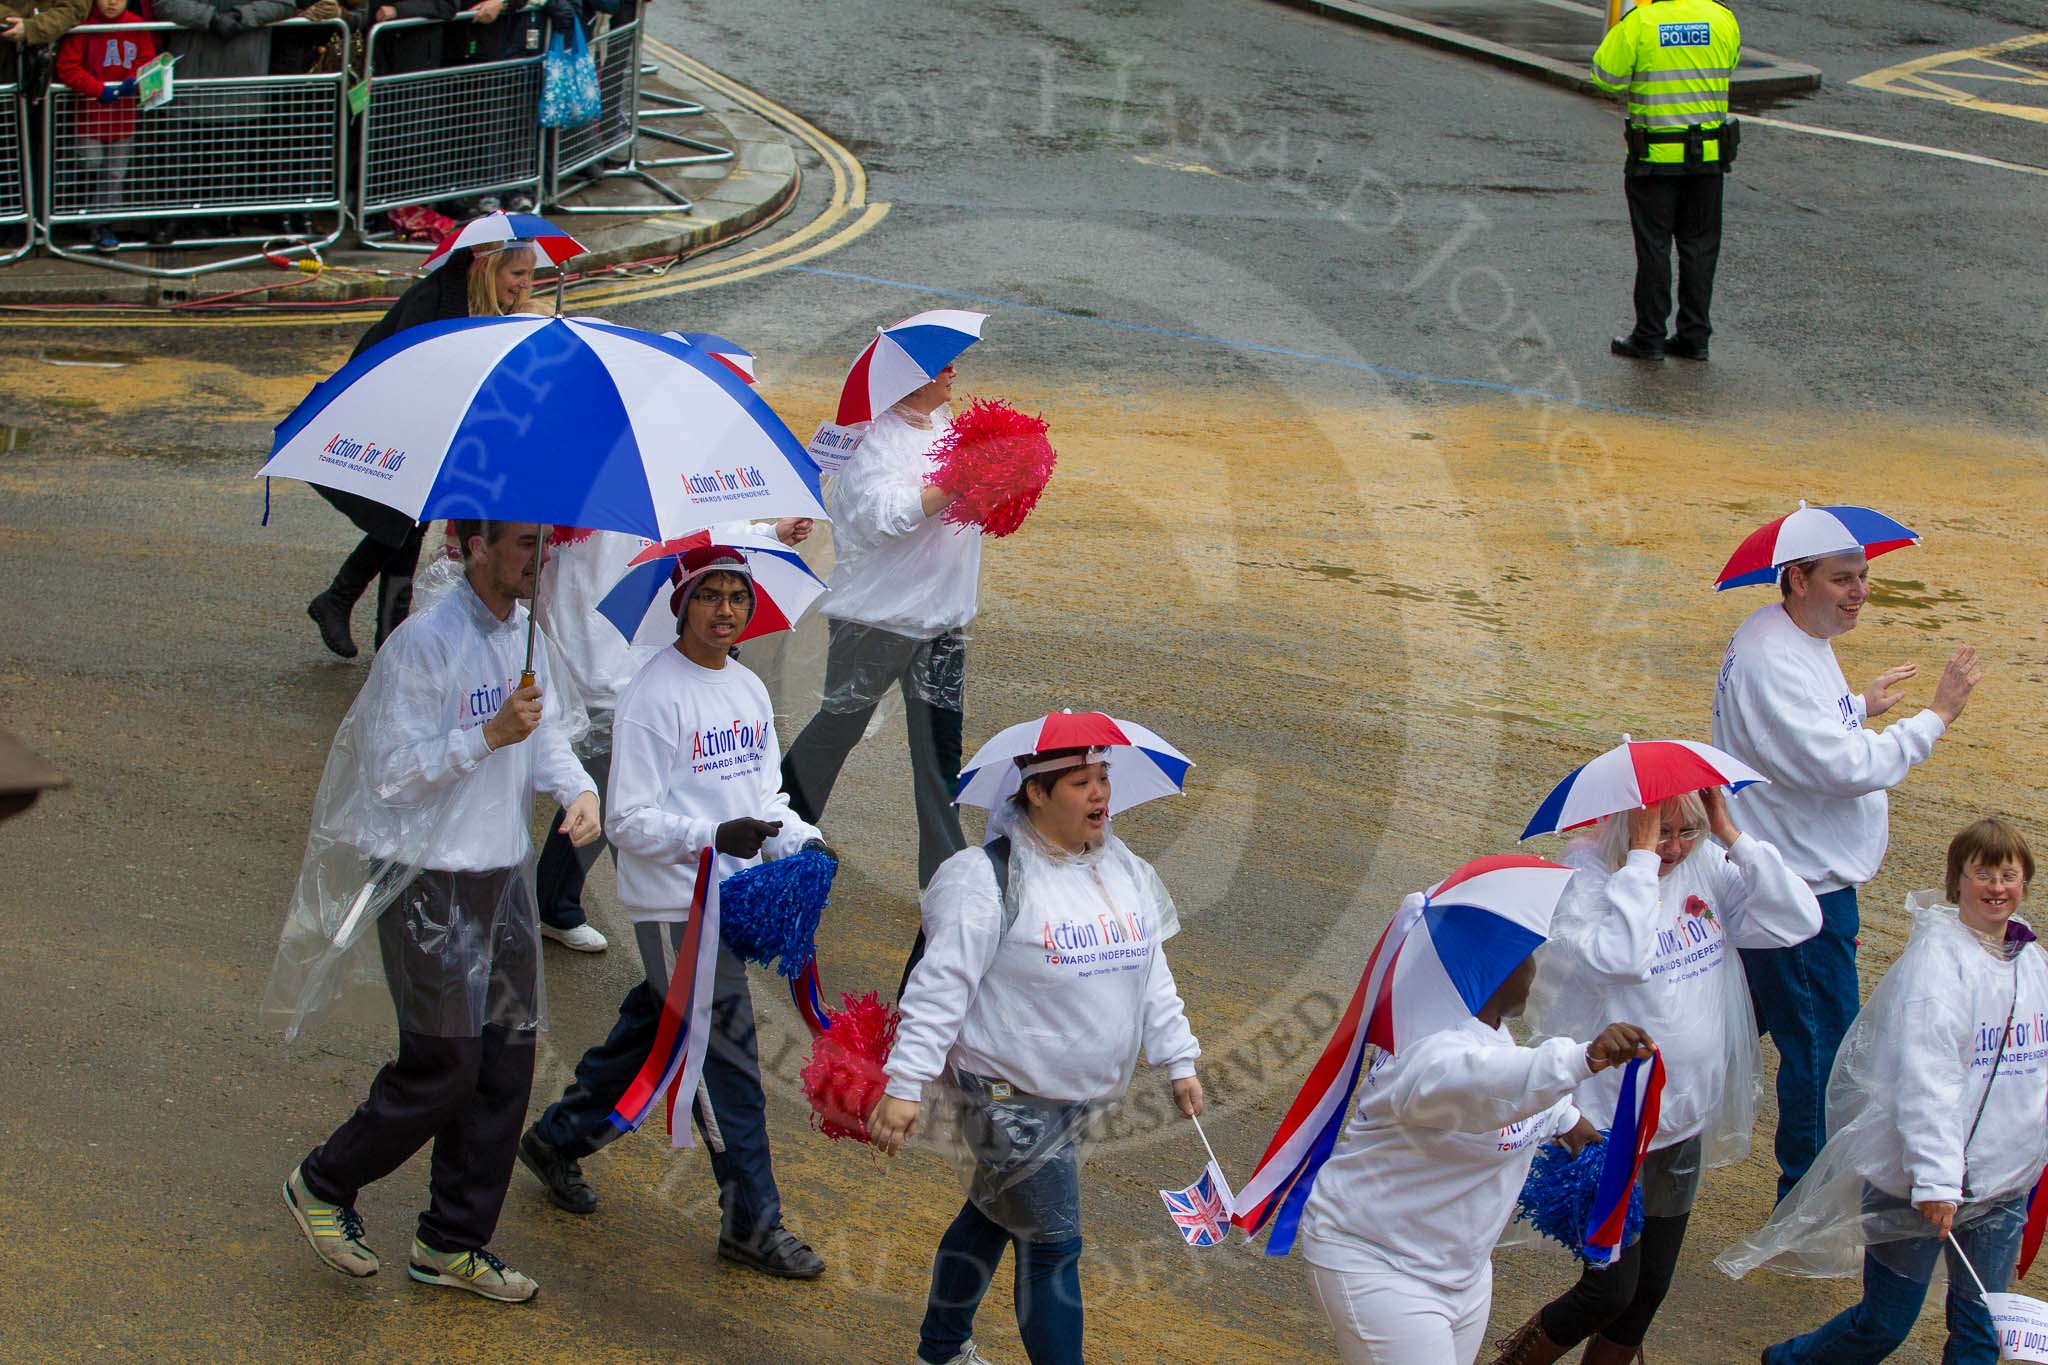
1142	765
567	421
903	359
1811	533
1634	774
738	360
784	587
499	226
1436	965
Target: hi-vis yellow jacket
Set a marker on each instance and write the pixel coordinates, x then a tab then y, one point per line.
1674	58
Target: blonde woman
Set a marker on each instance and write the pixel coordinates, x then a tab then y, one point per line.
485	281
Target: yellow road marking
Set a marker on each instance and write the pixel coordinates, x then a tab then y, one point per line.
847	216
1947	76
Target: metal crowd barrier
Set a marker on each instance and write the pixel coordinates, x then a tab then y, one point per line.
654	104
223	147
576	154
448	133
17	202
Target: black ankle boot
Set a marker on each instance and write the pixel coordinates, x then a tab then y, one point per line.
332	618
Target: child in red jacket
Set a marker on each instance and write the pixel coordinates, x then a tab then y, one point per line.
101	67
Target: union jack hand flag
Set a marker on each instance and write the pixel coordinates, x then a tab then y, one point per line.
1202	1210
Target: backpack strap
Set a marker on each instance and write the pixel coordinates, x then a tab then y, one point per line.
998	851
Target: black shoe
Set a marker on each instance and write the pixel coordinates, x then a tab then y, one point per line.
1686	350
332	618
164	234
777	1251
561	1174
1636	350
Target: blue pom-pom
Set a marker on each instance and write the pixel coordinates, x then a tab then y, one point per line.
769	913
1557	1198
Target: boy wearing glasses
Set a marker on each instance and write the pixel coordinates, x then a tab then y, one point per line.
695	766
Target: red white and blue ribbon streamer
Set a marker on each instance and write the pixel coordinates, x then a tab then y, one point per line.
808	993
675	1063
1628	1142
1279	1186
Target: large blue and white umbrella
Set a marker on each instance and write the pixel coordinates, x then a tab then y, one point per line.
567	421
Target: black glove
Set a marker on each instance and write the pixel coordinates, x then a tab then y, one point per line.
742	838
128	87
110	93
226	23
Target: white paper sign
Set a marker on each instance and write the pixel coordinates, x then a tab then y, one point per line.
833	445
2022	1325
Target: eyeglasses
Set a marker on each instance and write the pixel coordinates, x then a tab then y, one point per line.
1689	835
738	600
2011	876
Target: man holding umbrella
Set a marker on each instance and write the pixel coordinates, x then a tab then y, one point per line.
431	777
904	585
1783	707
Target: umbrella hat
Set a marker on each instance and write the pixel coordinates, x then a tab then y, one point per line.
1447	951
499	226
903	359
638	605
1811	533
1143	766
1635	774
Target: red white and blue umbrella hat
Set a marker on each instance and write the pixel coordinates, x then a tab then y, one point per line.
1811	533
1142	765
1448	950
903	359
641	605
1635	774
498	227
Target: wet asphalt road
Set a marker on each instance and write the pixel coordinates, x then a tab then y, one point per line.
1289	288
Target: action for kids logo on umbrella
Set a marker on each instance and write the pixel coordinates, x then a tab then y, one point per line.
379	461
726	485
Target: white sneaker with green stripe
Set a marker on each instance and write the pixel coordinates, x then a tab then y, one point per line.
477	1271
333	1230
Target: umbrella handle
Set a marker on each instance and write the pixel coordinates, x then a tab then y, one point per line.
526	678
540	549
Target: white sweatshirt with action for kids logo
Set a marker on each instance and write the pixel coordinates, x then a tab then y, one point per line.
1783	707
692	747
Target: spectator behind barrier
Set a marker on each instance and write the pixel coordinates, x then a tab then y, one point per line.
409	49
224	39
29	23
101	67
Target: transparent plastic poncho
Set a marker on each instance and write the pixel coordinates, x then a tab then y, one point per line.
1856	1195
415	896
1704	1024
1020	1155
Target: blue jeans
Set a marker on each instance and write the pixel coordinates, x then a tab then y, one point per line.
1895	1276
1047	1291
1806	997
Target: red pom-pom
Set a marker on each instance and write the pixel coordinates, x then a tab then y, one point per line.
569	535
995	462
843	1079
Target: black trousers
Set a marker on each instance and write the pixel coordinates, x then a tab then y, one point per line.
1619	1302
392	566
462	1089
558	880
730	1110
1687	209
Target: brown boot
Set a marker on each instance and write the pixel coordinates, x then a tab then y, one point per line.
1601	1351
1527	1345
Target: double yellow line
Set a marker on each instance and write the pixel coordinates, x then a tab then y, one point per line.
846	216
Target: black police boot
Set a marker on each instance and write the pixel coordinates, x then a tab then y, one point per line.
1636	349
563	1175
